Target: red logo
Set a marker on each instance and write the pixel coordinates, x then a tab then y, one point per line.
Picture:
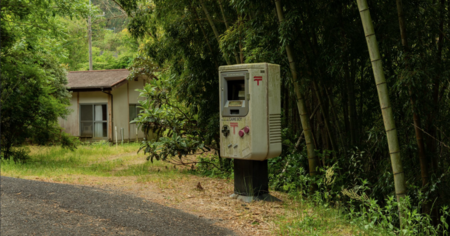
234	125
257	79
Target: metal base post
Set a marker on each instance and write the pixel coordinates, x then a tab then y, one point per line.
251	178
251	181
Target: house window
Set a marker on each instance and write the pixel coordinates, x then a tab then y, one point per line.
135	109
93	121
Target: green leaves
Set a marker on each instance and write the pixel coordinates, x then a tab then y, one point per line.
174	124
33	80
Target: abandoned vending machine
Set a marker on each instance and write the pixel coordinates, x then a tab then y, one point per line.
250	122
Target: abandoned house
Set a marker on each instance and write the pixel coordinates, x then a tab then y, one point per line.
102	102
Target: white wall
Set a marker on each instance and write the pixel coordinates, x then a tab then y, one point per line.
123	96
134	99
120	111
70	124
93	97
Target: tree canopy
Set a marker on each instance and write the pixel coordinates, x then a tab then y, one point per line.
33	92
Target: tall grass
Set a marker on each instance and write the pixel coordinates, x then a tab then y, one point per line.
99	159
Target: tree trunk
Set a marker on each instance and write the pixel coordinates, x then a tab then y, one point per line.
388	116
304	117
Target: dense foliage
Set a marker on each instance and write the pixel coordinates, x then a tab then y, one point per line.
33	93
333	77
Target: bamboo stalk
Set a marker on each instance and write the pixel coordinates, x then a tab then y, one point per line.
304	117
204	36
226	25
208	16
383	95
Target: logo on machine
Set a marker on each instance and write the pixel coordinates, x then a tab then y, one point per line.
257	79
234	125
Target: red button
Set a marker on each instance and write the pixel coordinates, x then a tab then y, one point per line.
246	129
241	133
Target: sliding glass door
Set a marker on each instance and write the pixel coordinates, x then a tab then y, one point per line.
93	121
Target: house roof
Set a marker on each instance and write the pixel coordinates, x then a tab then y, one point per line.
96	79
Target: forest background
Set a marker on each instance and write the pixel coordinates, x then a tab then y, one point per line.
332	122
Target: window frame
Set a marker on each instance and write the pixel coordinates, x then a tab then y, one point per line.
137	110
93	120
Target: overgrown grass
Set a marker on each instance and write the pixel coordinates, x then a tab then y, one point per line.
98	159
309	218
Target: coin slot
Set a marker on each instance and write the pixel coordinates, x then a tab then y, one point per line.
235	112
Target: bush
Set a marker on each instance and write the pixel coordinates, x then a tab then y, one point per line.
69	142
20	155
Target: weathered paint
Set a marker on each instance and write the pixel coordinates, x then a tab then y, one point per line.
120	109
128	102
110	123
263	141
93	97
124	96
70	124
134	99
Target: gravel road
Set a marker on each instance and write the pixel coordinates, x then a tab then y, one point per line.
39	208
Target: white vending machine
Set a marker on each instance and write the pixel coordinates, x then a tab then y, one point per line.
250	111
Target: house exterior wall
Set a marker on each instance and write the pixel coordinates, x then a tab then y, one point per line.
120	111
71	124
93	97
134	99
122	97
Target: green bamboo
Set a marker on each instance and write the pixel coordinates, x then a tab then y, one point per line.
208	16
383	95
304	116
226	25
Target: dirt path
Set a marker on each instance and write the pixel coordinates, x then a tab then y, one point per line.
34	207
212	203
166	186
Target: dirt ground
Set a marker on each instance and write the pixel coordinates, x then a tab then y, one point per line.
181	191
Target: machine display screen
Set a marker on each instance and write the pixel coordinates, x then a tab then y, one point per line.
234	93
236	89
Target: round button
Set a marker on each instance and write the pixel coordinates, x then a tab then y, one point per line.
246	129
241	133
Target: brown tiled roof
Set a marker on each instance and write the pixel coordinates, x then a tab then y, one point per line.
96	79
